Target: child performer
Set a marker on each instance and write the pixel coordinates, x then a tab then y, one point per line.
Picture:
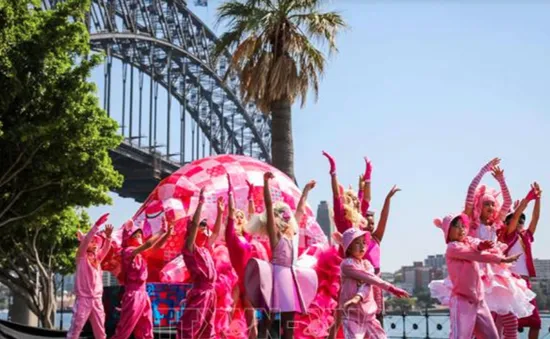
469	313
356	297
89	284
507	296
197	320
373	253
519	241
352	211
136	316
287	295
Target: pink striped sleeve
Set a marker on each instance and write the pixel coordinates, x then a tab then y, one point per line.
507	198
475	182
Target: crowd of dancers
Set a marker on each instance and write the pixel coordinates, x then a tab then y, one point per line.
488	255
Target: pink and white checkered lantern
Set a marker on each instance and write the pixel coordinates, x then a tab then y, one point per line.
177	196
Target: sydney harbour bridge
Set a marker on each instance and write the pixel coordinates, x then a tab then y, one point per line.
173	101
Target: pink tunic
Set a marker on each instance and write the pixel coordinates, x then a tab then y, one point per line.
240	251
197	320
469	313
89	289
136	316
287	296
359	320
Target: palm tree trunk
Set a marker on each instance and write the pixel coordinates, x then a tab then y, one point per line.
282	145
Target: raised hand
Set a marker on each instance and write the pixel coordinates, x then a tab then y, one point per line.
229	185
511	259
485	245
170	230
537	189
368	170
498	173
250	189
331	162
268	176
493	163
310	185
108	230
102	219
393	190
220	204
532	194
201	195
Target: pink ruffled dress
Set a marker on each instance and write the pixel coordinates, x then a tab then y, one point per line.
504	292
280	286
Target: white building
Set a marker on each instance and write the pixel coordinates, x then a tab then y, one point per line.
542	266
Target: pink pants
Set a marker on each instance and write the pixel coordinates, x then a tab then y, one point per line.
197	320
362	328
84	309
469	319
136	316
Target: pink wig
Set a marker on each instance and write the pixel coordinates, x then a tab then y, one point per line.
482	195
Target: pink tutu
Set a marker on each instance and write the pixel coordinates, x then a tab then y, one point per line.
504	292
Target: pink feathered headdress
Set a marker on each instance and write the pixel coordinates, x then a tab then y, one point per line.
482	195
445	224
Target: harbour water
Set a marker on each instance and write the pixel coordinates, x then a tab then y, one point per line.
433	326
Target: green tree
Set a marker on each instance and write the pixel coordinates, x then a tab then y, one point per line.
31	255
402	304
55	137
54	143
423	297
276	59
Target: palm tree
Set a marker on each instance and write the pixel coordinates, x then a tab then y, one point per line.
275	57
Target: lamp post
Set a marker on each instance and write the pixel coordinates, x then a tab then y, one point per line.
62	295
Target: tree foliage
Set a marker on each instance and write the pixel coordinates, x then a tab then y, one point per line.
55	137
31	255
276	59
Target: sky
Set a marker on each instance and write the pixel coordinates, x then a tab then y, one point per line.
429	91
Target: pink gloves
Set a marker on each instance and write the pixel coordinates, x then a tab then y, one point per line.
398	292
485	245
250	190
331	162
368	170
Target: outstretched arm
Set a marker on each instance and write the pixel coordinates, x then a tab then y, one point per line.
498	174
536	210
107	243
84	243
218	223
469	208
193	227
340	221
334	179
250	198
164	238
381	228
300	209
365	188
270	224
150	242
461	251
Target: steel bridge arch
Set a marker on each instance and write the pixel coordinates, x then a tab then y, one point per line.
166	41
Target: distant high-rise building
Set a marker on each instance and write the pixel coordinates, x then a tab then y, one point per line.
435	261
323	218
542	266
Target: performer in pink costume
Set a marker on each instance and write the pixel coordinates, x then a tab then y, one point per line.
356	295
469	313
197	320
519	241
280	287
88	282
136	316
373	251
507	296
353	211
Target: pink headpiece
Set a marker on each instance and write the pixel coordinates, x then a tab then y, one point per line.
349	236
445	224
482	195
128	230
99	237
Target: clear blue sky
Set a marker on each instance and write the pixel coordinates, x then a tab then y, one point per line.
430	91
